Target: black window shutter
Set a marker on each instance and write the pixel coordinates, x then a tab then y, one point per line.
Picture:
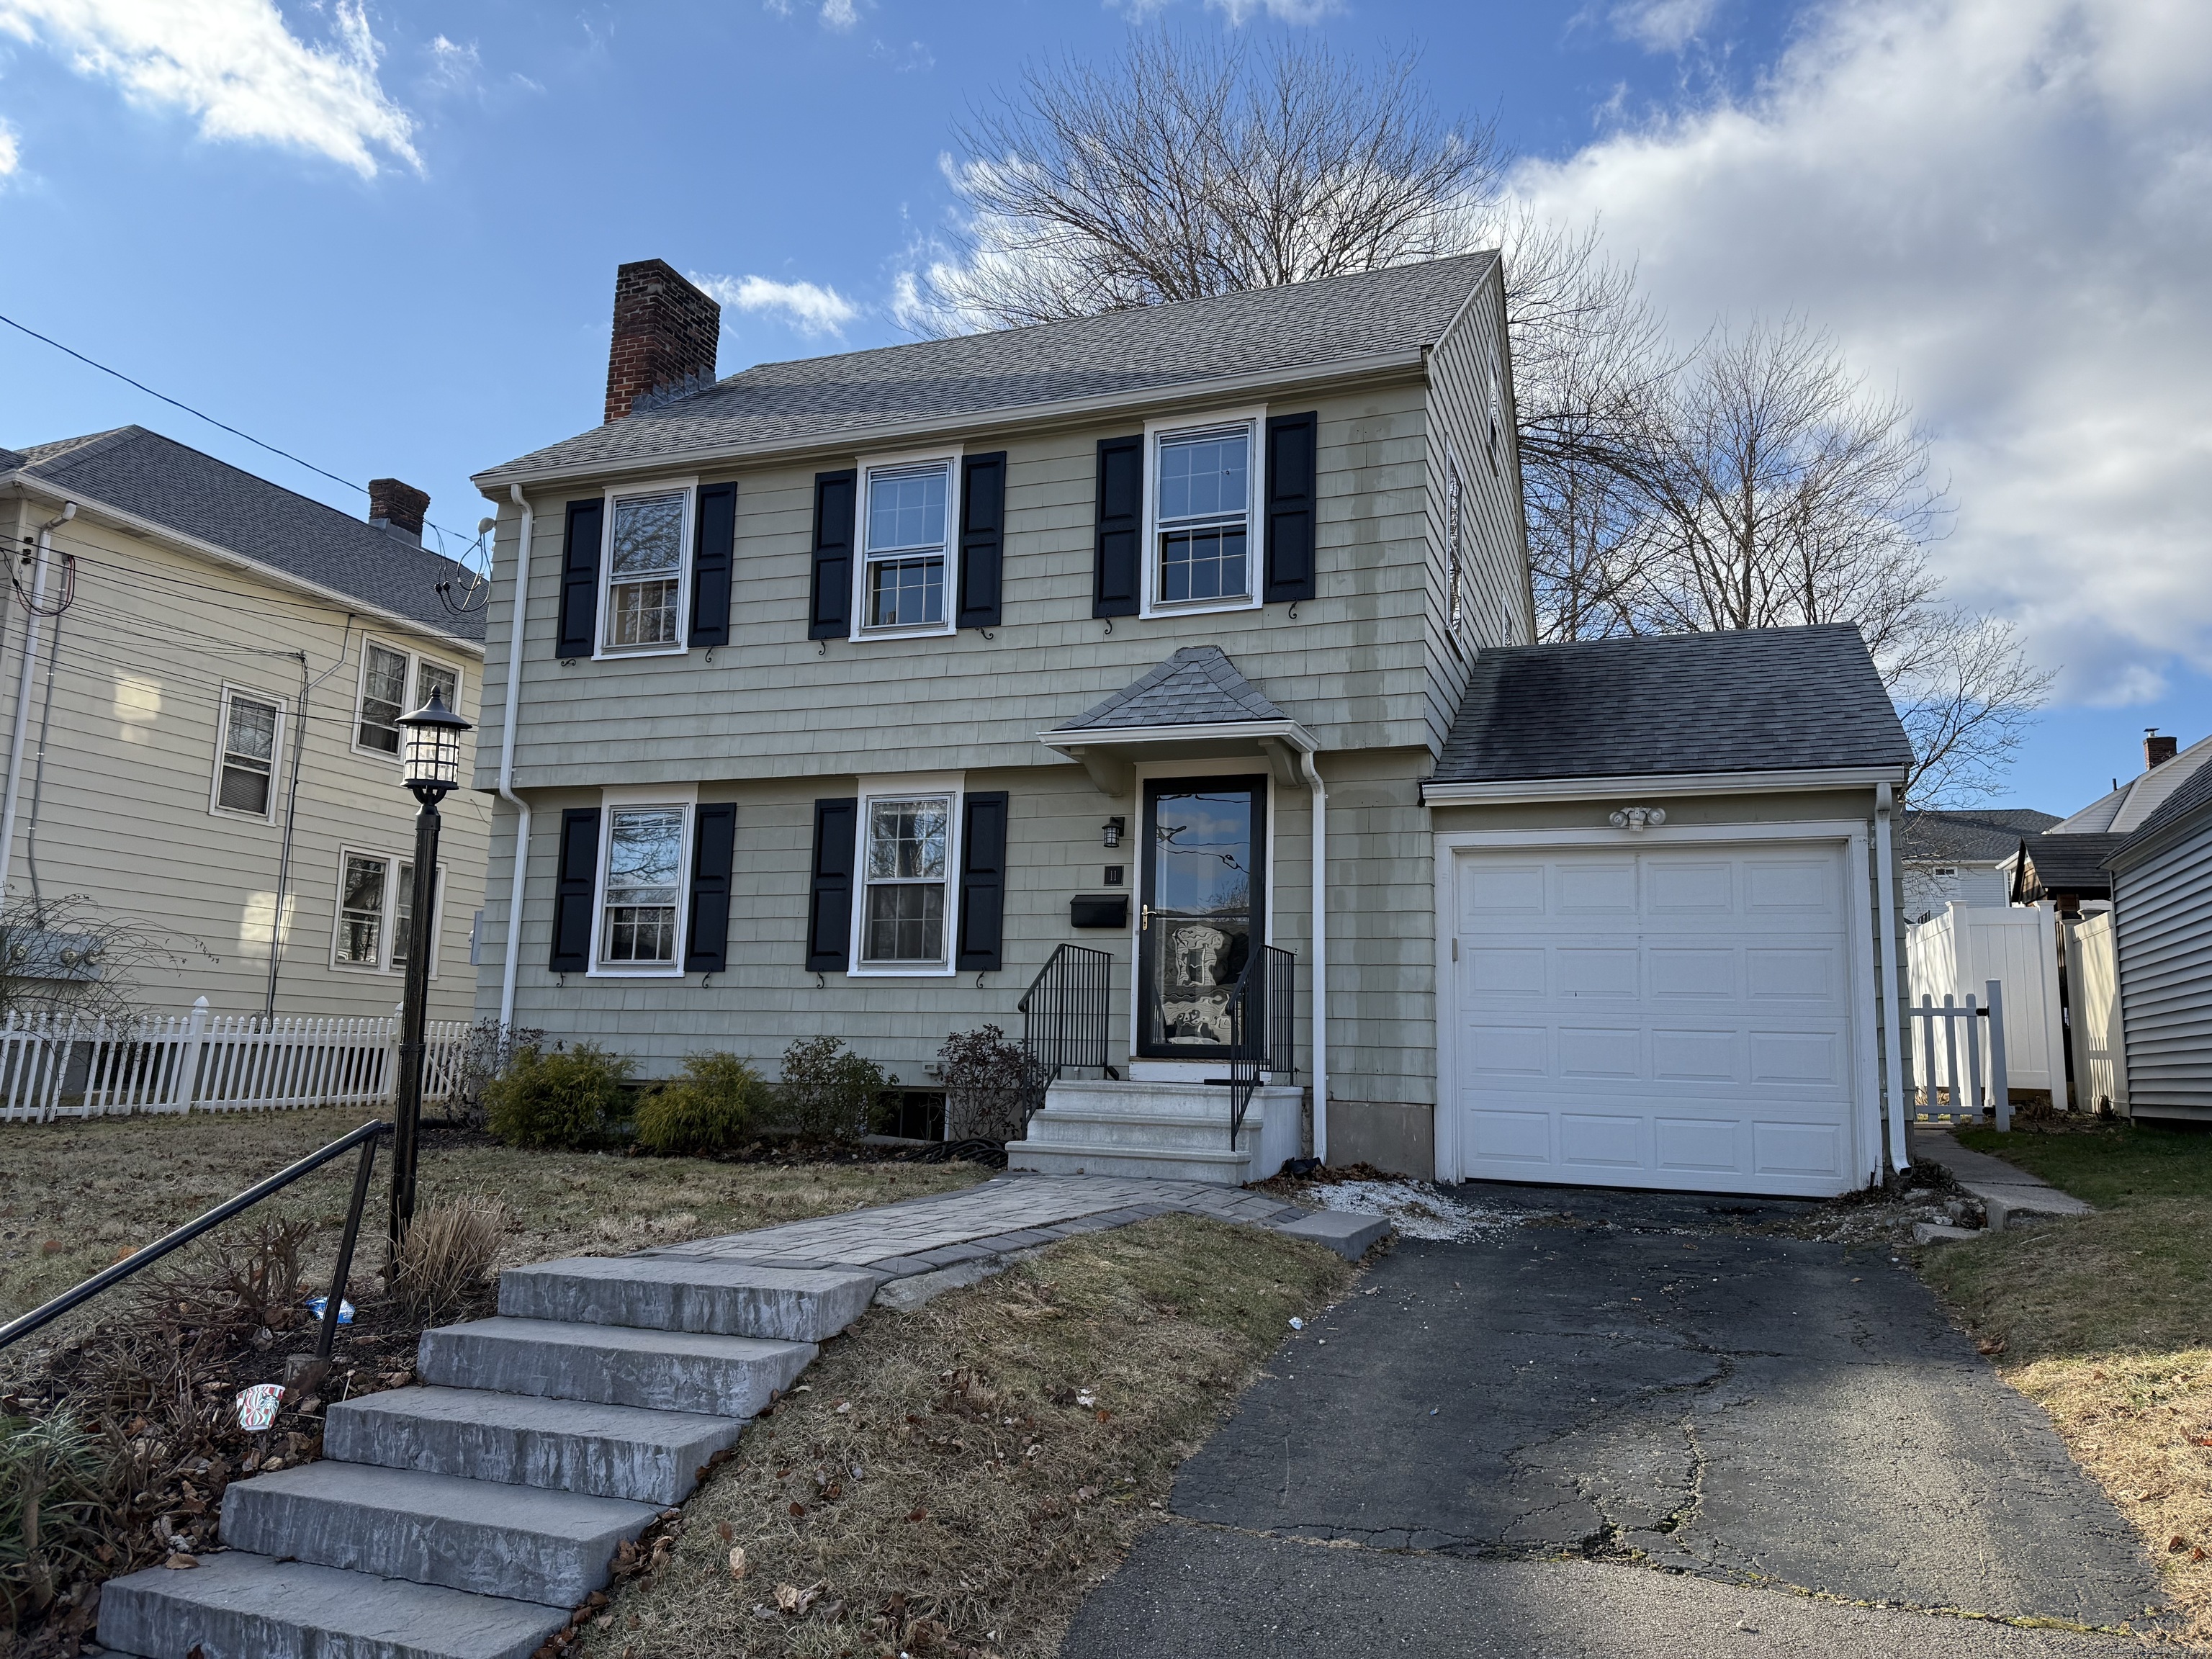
579	579
574	878
982	881
714	839
1115	571
830	905
1290	507
982	537
712	546
829	610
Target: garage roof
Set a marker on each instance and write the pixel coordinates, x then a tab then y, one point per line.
1753	700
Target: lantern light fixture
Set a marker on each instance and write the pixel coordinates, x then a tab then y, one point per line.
1114	828
432	759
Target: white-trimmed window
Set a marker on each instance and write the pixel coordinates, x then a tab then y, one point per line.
645	864
648	564
909	506
394	681
1203	485
906	911
1454	565
249	737
375	913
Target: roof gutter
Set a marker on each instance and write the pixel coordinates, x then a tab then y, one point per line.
1498	791
1064	411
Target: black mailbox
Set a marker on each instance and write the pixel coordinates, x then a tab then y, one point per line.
1099	910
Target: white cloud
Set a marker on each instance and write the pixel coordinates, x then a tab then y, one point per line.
236	66
1663	25
839	13
2003	208
11	155
453	67
1240	12
807	307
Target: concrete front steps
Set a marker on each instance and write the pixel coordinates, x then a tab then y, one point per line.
466	1519
1165	1130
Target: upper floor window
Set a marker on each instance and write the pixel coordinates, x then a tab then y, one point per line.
906	510
1202	489
645	572
245	762
388	675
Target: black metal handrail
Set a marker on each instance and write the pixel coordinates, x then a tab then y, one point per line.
364	1137
1262	1028
1065	1016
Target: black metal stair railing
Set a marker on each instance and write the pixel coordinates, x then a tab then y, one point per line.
1065	1014
1262	1029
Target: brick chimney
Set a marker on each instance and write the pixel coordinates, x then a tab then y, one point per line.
667	333
398	507
2158	751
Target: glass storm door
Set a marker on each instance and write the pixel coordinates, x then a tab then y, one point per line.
1202	910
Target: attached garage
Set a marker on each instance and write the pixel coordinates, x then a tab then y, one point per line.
1665	898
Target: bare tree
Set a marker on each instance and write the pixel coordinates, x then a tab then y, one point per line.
70	956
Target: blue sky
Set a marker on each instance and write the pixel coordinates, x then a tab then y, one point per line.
386	240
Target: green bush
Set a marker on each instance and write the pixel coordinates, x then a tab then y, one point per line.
827	1090
572	1097
712	1106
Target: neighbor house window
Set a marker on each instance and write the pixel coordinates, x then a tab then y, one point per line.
245	766
388	675
906	864
376	894
903	523
643	886
644	571
1203	515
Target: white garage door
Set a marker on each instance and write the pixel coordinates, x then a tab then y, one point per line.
1677	1017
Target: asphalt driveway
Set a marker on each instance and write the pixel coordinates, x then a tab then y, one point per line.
1501	1438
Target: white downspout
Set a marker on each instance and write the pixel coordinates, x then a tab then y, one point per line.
507	764
1884	947
23	687
1320	953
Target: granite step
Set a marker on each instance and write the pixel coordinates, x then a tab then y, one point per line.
1216	1166
528	1440
522	1542
677	1293
613	1364
240	1606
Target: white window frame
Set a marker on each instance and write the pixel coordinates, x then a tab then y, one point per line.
414	661
1256	518
868	464
604	607
680	797
906	787
216	808
384	965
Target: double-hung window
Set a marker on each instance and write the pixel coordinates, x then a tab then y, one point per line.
389	674
245	762
907	511
642	891
376	910
908	866
1204	485
645	564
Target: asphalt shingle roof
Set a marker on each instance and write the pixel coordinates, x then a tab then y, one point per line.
1197	686
2193	796
1154	348
2072	863
1988	835
1752	700
173	485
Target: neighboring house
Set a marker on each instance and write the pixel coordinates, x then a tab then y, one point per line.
2162	927
209	747
848	692
2065	863
1961	858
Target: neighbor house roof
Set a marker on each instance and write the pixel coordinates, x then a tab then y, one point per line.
2074	863
176	486
1197	686
1988	836
1760	700
1124	354
2190	799
2129	807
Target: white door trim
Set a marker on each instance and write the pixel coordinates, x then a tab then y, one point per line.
1850	834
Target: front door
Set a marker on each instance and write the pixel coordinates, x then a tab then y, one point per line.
1202	910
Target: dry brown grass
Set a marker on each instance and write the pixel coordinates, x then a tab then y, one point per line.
940	1488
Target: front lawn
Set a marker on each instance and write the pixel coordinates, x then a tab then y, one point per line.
2106	1322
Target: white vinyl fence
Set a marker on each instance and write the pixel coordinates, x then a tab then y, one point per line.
1954	955
2092	984
55	1066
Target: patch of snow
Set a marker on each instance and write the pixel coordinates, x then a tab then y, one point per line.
1419	1209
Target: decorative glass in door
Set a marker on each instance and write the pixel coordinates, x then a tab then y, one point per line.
1202	906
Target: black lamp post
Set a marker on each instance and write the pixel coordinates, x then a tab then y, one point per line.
431	760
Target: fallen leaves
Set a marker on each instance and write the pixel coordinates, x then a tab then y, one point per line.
737	1567
792	1601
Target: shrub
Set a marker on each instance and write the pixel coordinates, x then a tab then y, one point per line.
827	1090
712	1106
491	1048
62	1496
448	1251
571	1097
991	1084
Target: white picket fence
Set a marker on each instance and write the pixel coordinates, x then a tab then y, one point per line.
1954	955
55	1067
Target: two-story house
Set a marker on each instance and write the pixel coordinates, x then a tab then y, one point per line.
204	674
840	696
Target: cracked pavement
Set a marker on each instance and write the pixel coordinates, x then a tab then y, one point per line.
1645	1381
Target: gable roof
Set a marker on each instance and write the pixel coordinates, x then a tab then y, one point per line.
2071	863
1987	834
2192	797
2129	807
1197	686
177	487
1754	700
1122	354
